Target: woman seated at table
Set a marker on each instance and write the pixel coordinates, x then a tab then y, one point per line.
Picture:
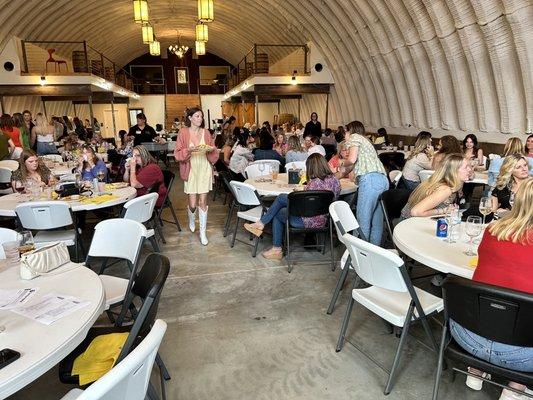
281	145
447	145
470	149
295	152
265	150
90	165
513	173
335	163
504	259
319	177
143	173
31	170
437	195
241	157
418	160
513	146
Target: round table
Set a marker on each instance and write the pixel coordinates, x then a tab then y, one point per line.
481	177
42	346
280	185
10	201
416	237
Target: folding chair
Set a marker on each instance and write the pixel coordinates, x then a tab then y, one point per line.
295	165
425	174
392	202
391	295
141	209
260	168
168	177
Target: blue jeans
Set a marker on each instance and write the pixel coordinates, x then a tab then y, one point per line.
277	213
503	355
369	214
411	185
44	148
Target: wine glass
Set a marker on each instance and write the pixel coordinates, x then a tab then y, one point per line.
451	217
261	168
19	187
485	207
26	242
59	189
100	175
511	199
473	229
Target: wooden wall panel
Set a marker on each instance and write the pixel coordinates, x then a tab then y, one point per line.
177	103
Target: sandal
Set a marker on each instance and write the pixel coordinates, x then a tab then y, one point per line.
253	230
273	254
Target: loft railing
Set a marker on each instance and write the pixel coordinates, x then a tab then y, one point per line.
71	57
270	59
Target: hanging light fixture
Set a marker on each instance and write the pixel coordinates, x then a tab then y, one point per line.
147	33
206	11
178	49
155	48
140	11
200	48
202	33
293	78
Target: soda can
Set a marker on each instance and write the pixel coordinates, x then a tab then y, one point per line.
442	228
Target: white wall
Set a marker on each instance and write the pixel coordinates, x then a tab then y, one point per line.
213	103
267	112
154	108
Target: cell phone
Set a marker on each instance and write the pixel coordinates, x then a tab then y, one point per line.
7	356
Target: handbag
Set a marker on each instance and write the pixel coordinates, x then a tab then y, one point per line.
43	260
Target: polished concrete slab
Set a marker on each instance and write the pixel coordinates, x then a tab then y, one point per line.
243	328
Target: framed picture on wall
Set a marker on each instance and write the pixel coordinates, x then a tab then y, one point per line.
181	75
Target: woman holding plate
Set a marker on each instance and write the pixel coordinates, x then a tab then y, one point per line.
196	153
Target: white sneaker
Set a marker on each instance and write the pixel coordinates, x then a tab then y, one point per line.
510	395
475	383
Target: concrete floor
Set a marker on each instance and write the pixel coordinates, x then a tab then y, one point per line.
243	328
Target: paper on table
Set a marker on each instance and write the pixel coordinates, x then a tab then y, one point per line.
16	297
51	307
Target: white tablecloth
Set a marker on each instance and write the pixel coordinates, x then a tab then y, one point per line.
41	346
416	237
281	185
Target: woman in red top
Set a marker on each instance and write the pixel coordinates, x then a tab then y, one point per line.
7	126
504	260
143	173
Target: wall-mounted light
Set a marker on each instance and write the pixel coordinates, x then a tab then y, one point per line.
155	48
293	78
43	80
206	10
200	48
147	33
140	11
202	33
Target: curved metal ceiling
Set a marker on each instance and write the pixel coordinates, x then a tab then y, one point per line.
445	64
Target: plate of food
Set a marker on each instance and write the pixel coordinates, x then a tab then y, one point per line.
116	185
202	148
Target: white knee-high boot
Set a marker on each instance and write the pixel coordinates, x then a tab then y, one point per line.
192	218
203	225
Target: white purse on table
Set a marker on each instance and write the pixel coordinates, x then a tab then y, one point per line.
41	261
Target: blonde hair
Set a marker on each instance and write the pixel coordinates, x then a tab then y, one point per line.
507	168
516	226
513	146
41	122
447	174
421	145
294	144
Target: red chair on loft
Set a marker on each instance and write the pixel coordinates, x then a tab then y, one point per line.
57	63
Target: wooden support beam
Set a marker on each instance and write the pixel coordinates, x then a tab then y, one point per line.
45	90
277	90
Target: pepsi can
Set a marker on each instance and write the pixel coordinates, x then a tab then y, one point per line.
442	228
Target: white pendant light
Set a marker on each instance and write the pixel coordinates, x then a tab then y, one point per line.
206	11
147	33
155	48
202	33
140	11
200	48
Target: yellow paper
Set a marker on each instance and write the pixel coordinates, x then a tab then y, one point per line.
473	262
99	199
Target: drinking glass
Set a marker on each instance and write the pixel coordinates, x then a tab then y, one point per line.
19	187
485	207
451	217
275	172
59	189
261	168
26	242
473	229
100	175
11	251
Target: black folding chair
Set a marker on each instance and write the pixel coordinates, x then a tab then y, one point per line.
392	202
168	177
495	313
310	203
225	176
146	288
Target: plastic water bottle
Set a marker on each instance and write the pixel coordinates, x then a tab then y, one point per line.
95	186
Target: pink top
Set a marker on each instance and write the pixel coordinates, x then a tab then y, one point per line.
183	155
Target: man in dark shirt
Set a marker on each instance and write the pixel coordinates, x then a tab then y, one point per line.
313	127
142	132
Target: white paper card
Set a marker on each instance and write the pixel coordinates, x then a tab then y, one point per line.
51	307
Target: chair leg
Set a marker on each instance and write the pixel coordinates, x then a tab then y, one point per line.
256	245
162	367
288	255
159	230
155	245
403	338
333	263
344	326
151	393
340	283
103	266
235	232
176	221
228	219
439	364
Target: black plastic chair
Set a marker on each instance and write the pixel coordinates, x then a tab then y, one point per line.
498	314
146	288
168	177
392	160
392	202
310	203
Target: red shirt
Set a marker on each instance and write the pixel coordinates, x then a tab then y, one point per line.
148	176
504	263
14	134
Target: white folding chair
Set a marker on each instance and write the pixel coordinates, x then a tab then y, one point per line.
9	164
261	168
295	165
5	180
129	379
391	295
47	217
141	209
246	196
104	245
271	162
7	235
395	176
53	157
425	174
